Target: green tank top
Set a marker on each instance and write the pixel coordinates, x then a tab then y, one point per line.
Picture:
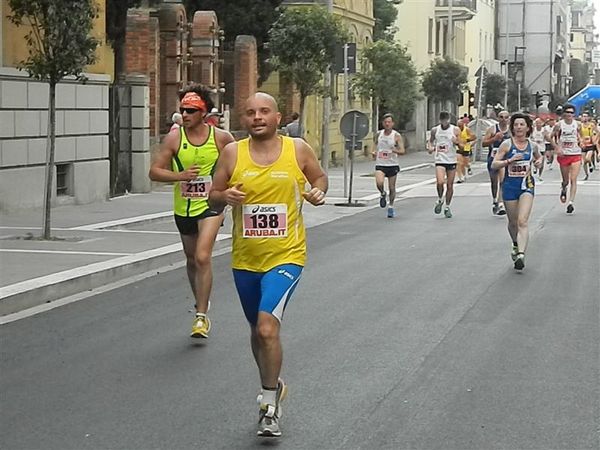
190	199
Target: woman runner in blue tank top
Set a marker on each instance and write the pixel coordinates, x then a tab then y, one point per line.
516	155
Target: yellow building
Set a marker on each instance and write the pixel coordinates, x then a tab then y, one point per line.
424	26
357	15
82	125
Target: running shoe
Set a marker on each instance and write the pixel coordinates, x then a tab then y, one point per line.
201	326
460	180
382	200
268	422
501	210
514	252
540	179
469	171
592	169
281	395
438	207
585	178
570	208
447	212
563	194
520	261
495	208
391	213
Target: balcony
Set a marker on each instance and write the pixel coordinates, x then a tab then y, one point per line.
461	9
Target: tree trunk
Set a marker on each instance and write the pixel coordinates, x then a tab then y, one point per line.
301	121
50	143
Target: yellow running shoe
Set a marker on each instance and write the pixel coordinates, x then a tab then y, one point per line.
201	326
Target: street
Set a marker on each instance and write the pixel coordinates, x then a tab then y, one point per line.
411	333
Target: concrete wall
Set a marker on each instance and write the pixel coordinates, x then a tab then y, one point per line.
81	143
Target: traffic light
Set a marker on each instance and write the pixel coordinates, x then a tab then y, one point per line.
538	99
471	99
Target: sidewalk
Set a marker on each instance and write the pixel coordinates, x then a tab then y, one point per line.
102	243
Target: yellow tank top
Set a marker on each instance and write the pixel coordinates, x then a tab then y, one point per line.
587	131
268	229
464	135
190	199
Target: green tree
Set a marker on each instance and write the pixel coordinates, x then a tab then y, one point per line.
116	29
391	80
385	13
59	44
444	80
493	89
236	17
303	42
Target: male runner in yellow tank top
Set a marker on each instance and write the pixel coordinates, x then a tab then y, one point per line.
187	157
263	178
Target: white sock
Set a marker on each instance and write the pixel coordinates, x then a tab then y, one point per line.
269	396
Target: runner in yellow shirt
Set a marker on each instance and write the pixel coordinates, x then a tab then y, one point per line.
263	178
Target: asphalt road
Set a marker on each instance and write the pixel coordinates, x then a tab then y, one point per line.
412	333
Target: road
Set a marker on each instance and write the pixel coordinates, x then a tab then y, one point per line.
411	333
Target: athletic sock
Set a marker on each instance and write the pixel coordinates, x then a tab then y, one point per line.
269	396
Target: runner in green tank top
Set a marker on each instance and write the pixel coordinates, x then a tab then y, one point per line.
187	158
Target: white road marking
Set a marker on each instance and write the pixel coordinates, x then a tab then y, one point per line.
61	252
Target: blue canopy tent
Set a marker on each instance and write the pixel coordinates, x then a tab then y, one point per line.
590	92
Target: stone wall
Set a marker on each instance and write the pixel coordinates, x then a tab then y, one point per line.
81	139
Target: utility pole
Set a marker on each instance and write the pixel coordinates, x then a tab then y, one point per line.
506	56
326	110
450	30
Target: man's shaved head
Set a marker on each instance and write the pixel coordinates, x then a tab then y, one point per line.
264	97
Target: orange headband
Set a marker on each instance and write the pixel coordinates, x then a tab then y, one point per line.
193	100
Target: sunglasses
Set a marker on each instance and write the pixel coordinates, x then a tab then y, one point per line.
569	112
503	117
189	110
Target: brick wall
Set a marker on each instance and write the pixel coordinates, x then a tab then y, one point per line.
245	74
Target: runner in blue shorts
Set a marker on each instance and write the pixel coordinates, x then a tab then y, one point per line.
516	156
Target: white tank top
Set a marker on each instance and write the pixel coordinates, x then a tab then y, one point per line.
548	130
385	149
537	136
445	152
568	138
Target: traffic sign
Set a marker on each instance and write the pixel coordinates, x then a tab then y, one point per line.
354	124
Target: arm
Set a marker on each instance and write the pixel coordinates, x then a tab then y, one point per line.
555	136
499	161
430	143
399	150
222	138
472	136
489	137
221	194
312	171
160	170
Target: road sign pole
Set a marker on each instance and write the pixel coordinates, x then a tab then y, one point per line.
352	157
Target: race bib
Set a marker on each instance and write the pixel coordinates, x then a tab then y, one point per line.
384	154
568	144
442	148
198	188
518	168
264	221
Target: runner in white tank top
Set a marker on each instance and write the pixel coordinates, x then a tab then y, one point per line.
388	147
442	141
538	135
566	137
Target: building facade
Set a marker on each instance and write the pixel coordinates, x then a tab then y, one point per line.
533	37
82	126
583	37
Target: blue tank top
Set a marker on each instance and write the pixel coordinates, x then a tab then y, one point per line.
493	148
518	173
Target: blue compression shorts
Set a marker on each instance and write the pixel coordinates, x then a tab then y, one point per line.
268	292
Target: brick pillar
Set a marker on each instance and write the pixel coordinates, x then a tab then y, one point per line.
204	49
142	58
245	74
173	59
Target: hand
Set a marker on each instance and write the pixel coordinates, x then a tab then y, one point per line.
315	196
538	162
517	157
373	154
189	174
498	136
234	196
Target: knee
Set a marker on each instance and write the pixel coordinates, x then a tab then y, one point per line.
266	331
202	259
522	223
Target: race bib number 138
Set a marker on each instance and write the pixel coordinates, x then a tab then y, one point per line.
264	221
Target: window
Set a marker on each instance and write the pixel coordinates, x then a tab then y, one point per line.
437	37
63	179
571	37
430	36
575	19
